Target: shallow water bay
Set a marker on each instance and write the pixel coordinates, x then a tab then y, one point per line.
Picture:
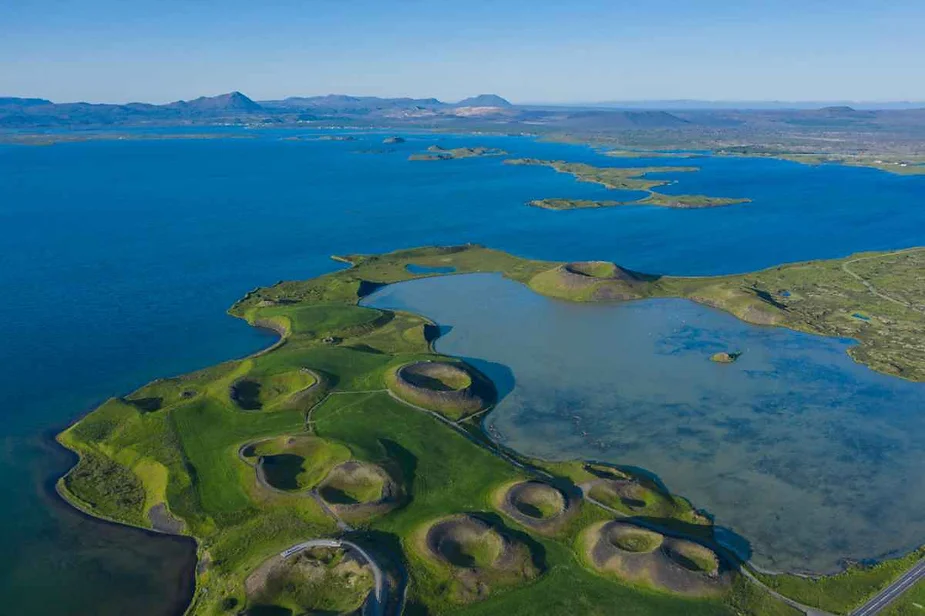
809	456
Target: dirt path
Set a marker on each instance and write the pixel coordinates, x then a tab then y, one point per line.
870	287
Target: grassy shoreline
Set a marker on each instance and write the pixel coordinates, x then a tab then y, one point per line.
192	426
621	178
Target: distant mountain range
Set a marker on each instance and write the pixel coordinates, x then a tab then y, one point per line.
37	112
692	104
482	112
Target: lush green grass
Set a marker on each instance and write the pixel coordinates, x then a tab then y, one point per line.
637	540
561	204
622	178
211	435
912	603
107	488
568	589
319	581
175	442
539	501
361	483
435	152
689	201
695	557
299	462
654	198
319	321
842	593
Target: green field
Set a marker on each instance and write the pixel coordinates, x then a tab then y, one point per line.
189	447
436	152
621	178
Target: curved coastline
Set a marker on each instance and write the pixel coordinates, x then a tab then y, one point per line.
284	333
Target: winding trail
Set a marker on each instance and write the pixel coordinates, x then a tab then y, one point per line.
869	286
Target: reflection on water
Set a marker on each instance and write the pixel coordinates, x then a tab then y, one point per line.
811	457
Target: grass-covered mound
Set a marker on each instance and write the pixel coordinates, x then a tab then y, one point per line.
478	556
465	542
322	321
296	463
592	281
256	392
537	500
597	269
537	505
453	389
313	581
635	539
357	488
694	557
638	497
645	557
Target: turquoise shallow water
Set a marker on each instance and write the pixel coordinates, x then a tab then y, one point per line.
809	456
119	258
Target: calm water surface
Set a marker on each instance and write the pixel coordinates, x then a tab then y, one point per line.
808	455
119	258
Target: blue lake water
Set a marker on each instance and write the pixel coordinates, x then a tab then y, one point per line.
119	258
809	456
426	269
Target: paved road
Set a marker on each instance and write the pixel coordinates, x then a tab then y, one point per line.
376	605
892	592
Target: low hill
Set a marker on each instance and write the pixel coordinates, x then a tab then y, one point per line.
232	102
484	100
12	101
622	119
342	103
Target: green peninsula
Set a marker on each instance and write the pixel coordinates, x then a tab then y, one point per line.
620	178
899	165
436	152
352	435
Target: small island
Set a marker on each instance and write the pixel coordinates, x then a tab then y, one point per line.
651	154
725	357
393	140
335	138
680	202
622	178
436	152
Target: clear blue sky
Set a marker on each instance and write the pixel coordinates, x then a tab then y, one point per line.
528	51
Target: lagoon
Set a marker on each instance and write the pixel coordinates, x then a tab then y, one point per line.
805	455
